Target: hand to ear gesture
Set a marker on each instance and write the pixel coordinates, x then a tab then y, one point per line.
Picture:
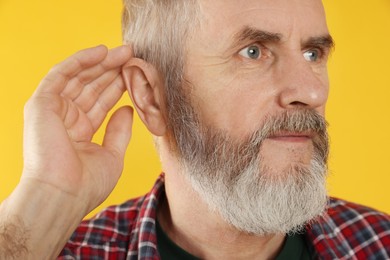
65	175
62	116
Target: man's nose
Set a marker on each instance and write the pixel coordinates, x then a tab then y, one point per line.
302	83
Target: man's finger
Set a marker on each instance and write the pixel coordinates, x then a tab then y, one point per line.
114	59
91	93
106	102
55	81
118	131
88	84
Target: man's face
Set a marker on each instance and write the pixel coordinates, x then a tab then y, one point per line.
255	58
256	81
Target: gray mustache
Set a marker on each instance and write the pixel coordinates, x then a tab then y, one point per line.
297	120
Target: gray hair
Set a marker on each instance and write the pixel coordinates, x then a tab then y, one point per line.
158	31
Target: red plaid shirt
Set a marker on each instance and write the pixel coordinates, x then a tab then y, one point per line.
128	231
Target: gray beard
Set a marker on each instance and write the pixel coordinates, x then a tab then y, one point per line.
257	204
235	182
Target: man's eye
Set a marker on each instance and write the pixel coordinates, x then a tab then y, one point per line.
251	52
311	55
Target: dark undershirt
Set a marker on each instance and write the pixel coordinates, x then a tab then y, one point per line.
294	248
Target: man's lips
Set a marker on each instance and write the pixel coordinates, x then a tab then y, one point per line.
292	136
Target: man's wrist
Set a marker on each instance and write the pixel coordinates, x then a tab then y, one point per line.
38	219
13	237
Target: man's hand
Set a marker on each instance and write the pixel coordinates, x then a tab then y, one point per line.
61	118
65	175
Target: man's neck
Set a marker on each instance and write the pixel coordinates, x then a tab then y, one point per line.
188	221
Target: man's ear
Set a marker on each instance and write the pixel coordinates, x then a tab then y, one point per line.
145	85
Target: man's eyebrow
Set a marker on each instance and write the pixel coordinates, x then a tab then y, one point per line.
325	41
255	35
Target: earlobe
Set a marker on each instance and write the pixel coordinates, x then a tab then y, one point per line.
144	85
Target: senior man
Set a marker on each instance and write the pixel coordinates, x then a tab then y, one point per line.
234	93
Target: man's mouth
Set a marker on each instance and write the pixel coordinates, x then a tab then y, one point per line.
292	136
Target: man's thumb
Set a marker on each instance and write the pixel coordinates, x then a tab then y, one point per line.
118	131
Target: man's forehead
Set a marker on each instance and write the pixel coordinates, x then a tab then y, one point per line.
275	16
215	6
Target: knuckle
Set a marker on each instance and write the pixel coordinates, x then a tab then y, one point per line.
103	105
95	89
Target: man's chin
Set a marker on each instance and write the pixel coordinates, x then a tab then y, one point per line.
281	156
